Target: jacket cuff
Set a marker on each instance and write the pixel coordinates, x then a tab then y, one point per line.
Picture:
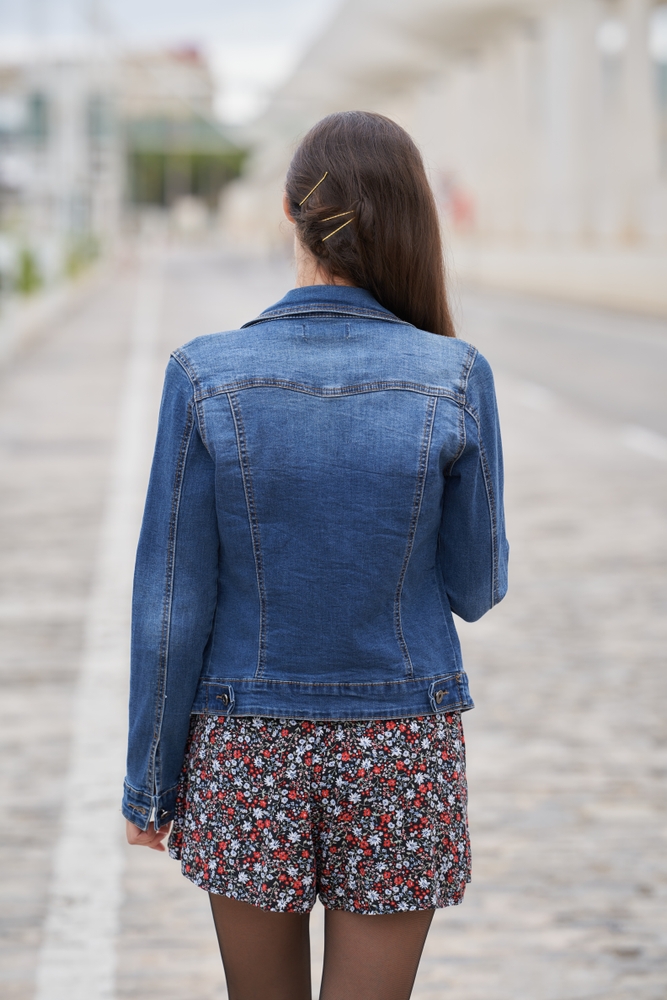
140	808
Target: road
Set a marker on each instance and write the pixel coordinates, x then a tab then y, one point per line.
567	745
610	363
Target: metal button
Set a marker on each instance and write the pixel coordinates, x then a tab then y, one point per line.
439	695
224	698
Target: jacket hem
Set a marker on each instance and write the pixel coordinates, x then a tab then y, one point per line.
446	692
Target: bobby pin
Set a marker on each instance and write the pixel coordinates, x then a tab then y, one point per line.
339	229
339	216
303	200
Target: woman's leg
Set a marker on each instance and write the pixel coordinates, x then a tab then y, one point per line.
266	955
372	957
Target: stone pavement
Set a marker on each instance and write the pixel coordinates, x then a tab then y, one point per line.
568	743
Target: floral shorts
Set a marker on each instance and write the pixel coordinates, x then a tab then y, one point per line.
370	816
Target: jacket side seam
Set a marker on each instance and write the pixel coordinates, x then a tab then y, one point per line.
468	362
491	500
168	597
463	439
201	424
465	375
185	364
183	361
412	529
253	521
331	391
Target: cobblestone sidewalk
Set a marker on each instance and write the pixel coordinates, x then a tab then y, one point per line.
567	746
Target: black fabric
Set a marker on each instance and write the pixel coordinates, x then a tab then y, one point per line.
266	955
372	958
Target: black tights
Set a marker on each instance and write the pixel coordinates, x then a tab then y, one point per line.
267	955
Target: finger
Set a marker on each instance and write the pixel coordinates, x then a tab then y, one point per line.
133	832
147	838
135	836
156	841
159	836
153	838
140	838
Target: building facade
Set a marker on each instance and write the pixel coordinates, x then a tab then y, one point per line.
60	163
175	147
88	135
543	123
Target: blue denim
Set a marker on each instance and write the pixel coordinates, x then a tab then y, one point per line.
326	490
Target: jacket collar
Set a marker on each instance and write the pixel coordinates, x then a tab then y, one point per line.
327	300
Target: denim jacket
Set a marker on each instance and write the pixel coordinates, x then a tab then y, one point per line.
326	490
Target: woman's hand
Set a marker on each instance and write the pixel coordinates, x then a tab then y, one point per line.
146	838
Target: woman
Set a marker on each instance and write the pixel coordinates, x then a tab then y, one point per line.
326	491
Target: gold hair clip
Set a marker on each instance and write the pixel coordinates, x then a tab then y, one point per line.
324	238
303	200
339	216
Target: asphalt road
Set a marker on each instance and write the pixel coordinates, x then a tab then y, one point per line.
567	748
611	363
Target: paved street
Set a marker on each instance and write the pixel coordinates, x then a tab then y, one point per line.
567	745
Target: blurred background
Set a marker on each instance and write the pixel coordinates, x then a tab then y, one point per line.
544	126
143	146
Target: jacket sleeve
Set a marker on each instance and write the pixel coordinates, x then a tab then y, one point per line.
473	548
173	604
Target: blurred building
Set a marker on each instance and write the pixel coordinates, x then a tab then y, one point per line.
543	122
60	168
88	133
175	147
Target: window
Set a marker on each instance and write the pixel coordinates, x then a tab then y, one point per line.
37	119
98	118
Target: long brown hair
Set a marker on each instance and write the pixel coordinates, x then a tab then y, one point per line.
375	177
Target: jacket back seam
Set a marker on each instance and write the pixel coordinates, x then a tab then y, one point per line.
422	467
253	521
